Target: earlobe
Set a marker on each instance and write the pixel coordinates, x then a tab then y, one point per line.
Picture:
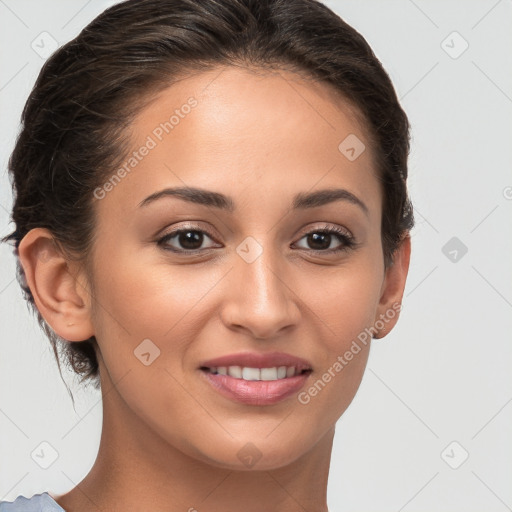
60	298
392	289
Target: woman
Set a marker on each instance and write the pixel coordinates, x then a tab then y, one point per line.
212	223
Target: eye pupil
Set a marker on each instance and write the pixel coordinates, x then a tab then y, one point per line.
187	239
314	238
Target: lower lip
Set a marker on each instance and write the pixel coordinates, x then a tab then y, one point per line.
256	392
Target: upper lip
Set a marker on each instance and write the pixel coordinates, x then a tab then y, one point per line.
258	360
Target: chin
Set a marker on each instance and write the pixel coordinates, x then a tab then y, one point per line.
261	454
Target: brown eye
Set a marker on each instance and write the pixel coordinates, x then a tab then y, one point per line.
184	240
320	240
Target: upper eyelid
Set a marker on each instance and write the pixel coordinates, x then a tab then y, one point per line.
326	226
303	231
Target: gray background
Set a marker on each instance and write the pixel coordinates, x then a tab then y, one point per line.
438	387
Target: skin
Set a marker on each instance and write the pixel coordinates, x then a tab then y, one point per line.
169	440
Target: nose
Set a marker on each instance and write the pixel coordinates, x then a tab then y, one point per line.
261	299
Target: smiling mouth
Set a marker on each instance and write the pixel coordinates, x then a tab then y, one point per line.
257	374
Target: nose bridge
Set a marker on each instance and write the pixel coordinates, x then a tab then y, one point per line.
263	301
260	269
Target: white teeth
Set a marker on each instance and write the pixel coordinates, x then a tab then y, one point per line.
246	373
281	372
251	373
269	373
233	371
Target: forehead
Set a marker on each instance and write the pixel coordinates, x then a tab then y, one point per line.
260	134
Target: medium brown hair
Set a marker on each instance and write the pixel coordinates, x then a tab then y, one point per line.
73	132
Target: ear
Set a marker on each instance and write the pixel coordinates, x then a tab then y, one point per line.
63	301
392	289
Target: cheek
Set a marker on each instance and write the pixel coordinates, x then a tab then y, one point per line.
162	302
344	299
341	309
343	303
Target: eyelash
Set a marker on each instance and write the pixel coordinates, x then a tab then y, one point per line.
348	242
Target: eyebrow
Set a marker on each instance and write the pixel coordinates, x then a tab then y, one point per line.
301	201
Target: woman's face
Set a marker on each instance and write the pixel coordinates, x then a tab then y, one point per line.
256	277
